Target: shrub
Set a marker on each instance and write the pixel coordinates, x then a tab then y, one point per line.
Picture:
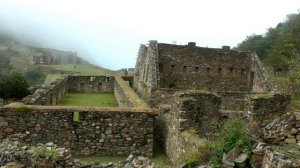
43	153
233	134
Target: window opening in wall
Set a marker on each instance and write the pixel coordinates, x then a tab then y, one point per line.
76	117
82	86
196	69
208	70
243	72
160	67
231	69
172	68
219	70
184	68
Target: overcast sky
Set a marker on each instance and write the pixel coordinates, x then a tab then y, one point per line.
109	32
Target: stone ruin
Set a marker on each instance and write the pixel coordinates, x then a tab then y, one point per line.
175	90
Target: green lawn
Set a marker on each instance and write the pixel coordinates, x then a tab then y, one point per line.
77	69
51	78
89	100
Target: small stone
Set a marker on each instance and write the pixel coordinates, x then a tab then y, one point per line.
8	130
290	140
294	131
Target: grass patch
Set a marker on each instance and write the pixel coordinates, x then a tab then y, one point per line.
89	100
51	78
161	160
24	108
77	69
296	101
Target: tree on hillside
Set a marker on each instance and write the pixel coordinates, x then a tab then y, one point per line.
13	86
290	52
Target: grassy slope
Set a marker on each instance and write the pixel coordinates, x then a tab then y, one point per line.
89	100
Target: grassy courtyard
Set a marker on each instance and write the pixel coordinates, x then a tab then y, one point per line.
89	100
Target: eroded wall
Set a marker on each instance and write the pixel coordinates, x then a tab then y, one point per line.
192	118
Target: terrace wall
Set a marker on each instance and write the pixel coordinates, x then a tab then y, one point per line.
100	131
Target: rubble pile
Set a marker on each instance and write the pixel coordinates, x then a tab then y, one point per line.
14	153
285	129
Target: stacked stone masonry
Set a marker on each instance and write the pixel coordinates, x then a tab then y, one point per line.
101	131
162	65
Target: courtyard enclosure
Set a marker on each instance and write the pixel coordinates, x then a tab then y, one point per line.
87	130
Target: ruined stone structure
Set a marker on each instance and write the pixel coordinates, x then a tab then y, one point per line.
124	130
190	67
191	90
162	69
102	131
50	56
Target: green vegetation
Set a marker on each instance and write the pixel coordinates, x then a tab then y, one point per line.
76	116
89	100
233	134
23	108
34	76
278	44
13	86
43	152
51	78
76	69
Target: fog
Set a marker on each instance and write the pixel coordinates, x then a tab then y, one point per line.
108	33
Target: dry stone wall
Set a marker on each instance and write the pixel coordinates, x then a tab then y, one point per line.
265	107
125	96
102	131
192	116
48	95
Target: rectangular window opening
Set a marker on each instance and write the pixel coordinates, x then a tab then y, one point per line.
243	72
231	69
208	70
160	67
220	70
172	68
184	68
196	69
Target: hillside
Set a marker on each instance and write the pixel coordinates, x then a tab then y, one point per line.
272	46
41	65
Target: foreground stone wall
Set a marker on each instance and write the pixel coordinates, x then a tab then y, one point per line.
102	131
98	84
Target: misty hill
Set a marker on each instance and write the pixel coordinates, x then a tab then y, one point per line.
40	63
